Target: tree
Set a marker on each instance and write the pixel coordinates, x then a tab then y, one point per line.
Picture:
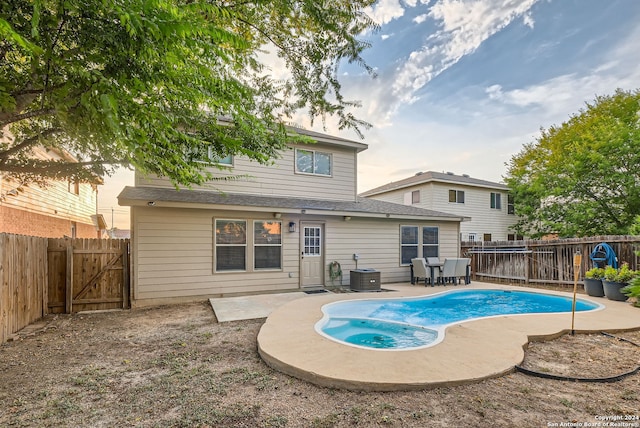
581	178
142	82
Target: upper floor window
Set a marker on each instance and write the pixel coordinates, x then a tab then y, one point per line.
313	162
205	154
411	198
496	201
73	186
456	196
511	209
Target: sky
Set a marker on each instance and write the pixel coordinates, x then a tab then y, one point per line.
462	85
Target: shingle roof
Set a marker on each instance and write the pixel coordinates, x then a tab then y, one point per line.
361	206
425	177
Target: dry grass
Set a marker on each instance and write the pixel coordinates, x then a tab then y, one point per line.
176	366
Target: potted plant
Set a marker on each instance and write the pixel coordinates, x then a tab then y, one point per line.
593	282
615	280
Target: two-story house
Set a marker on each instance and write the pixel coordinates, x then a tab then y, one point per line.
279	229
487	204
59	209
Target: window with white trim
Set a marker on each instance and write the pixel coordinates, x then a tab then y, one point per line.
496	201
411	241
456	196
511	207
230	245
408	244
313	162
205	154
430	241
312	241
267	244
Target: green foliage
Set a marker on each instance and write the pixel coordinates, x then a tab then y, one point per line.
610	273
623	274
634	229
142	83
335	271
580	178
633	290
595	273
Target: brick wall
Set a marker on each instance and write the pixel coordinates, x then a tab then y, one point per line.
32	224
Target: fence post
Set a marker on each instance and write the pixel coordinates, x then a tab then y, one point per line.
69	280
125	276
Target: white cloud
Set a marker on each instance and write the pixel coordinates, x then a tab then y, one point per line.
464	25
385	36
385	11
420	18
527	20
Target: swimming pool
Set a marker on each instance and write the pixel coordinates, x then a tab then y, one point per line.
410	323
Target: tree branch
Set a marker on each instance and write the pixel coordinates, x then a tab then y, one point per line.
57	169
27	115
31	141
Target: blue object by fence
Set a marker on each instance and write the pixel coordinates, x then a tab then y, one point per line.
603	255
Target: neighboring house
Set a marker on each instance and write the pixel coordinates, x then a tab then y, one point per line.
60	209
278	230
488	204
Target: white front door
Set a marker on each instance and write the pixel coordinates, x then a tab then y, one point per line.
312	259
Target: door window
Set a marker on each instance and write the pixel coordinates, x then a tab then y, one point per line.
312	241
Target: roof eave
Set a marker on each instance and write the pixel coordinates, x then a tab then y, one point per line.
282	210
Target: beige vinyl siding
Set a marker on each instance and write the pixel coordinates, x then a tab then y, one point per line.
173	256
484	219
476	205
378	244
173	252
280	178
54	200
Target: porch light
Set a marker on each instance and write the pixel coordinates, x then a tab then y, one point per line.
292	226
347	218
277	215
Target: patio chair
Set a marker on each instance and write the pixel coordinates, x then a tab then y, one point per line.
420	270
462	270
448	271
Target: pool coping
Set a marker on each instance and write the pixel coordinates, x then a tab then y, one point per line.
471	351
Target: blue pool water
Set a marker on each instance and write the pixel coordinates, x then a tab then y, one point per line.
418	322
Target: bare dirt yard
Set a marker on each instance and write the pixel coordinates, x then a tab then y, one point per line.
176	366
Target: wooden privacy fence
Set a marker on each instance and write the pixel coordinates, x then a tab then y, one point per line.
542	262
87	274
23	282
44	275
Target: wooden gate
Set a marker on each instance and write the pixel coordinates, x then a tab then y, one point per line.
87	274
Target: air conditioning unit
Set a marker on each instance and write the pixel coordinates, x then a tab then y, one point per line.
365	280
